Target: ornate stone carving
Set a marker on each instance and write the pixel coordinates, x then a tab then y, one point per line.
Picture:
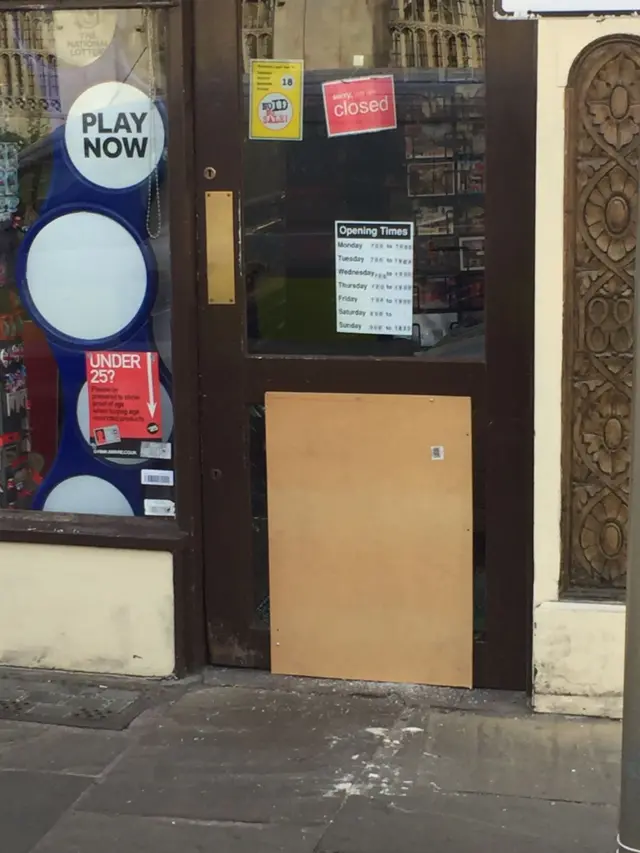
603	139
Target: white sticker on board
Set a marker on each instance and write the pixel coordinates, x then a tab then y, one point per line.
114	135
154	506
437	453
153	477
155	449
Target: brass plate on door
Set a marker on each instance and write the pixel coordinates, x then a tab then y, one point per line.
221	251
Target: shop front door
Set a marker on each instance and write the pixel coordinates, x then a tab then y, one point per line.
349	385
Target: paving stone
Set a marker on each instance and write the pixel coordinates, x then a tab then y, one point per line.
154	784
63	703
241	756
93	833
446	823
58	749
31	804
528	756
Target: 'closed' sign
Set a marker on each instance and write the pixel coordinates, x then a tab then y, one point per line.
360	105
114	135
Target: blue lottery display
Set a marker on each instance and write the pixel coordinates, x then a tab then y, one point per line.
69	193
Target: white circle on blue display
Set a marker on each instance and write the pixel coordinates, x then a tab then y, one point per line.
82	414
114	135
86	275
83	37
87	495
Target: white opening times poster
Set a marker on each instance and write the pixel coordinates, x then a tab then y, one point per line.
524	8
374	278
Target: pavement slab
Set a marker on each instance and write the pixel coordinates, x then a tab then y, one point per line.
58	749
238	755
31	804
446	823
97	833
551	758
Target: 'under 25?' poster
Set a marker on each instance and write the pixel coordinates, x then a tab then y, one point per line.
276	99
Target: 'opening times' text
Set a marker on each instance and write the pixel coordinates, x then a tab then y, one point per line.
374	278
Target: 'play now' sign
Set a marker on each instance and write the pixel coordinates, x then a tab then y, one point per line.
114	135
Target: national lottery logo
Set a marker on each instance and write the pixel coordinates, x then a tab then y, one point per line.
275	111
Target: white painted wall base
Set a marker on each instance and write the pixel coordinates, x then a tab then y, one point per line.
579	706
579	658
98	610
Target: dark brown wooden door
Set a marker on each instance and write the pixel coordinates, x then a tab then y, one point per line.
277	334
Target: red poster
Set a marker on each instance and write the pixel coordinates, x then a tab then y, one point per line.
124	401
359	105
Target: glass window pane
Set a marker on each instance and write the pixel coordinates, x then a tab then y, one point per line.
86	418
425	170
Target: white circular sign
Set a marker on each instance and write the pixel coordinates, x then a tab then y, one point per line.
86	275
82	37
82	414
114	135
275	111
87	494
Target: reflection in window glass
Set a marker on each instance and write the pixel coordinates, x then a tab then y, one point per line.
86	418
428	171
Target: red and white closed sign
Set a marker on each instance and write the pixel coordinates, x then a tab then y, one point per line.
360	105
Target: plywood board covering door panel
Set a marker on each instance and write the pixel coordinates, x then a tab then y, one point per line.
370	537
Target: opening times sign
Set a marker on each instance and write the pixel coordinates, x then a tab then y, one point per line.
124	401
374	278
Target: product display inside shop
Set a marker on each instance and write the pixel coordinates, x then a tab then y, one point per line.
86	419
391	102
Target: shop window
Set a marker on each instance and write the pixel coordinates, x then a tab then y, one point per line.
422	56
436	50
251	43
5	74
396	49
409	51
464	51
419	164
17	71
32	30
51	80
414	10
86	418
478	12
452	51
479	44
266	50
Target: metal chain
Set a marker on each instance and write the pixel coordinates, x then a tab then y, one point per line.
154	178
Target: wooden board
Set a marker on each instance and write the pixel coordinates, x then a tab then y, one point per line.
370	540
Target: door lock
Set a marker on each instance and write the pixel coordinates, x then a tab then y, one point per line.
210	173
216	474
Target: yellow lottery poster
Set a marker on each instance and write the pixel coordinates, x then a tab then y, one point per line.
277	96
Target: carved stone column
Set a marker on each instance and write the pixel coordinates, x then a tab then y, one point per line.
603	135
